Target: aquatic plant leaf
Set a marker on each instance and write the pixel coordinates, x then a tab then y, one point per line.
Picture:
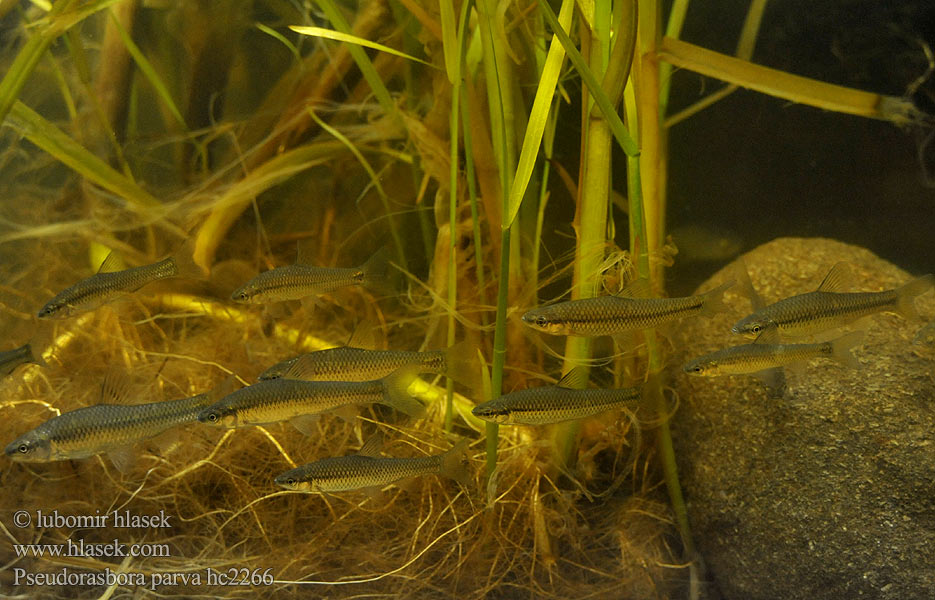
538	117
285	41
450	42
353	39
57	143
795	88
148	71
228	207
594	87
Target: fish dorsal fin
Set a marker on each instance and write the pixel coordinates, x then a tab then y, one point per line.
837	278
372	446
304	254
364	335
576	379
770	335
112	262
638	288
115	388
228	386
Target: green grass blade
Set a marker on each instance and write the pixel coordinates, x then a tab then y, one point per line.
594	87
451	42
339	36
227	208
454	125
538	117
23	66
394	230
57	143
146	68
283	39
58	21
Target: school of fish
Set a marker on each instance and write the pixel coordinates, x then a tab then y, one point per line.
338	380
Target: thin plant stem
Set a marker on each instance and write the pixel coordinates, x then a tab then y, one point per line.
498	90
454	73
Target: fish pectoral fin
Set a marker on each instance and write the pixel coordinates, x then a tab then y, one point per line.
837	279
123	458
305	424
769	336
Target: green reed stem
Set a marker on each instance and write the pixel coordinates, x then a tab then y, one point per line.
594	87
499	95
475	214
454	72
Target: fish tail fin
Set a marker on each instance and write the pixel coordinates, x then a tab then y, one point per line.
906	295
184	260
377	273
40	342
462	364
35	354
842	346
396	392
453	465
714	301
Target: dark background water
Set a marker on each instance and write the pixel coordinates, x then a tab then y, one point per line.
763	168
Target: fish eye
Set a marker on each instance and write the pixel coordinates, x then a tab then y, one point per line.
290	482
755	329
697	369
23	448
541	321
213	417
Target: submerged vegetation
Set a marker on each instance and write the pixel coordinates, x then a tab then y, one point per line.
236	129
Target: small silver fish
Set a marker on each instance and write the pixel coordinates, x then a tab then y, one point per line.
609	315
109	284
10	359
274	400
826	308
753	358
555	403
345	363
363	470
103	428
297	281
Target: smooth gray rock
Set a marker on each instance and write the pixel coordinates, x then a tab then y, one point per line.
827	492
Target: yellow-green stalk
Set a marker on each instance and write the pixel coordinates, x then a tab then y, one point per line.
499	95
454	67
